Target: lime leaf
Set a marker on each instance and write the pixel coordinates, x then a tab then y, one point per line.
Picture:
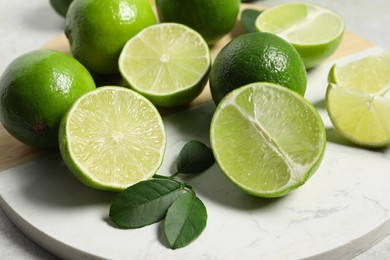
61	6
144	203
248	19
185	221
195	157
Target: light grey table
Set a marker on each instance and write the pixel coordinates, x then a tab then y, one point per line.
27	25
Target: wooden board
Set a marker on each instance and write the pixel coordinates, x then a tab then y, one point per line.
14	153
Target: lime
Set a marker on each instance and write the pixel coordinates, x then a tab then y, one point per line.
255	57
97	30
358	99
315	31
168	63
267	139
61	6
211	18
112	138
36	89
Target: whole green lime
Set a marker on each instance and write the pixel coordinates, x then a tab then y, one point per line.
97	30
36	89
257	57
211	18
61	6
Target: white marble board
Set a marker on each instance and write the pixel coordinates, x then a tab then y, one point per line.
341	211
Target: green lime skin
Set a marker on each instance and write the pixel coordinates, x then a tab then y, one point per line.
36	89
257	57
61	6
314	55
211	18
97	30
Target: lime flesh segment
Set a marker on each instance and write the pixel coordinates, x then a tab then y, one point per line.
370	74
358	100
315	32
168	63
302	23
112	138
267	139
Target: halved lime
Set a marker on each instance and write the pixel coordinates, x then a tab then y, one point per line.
168	63
315	31
267	139
358	99
112	138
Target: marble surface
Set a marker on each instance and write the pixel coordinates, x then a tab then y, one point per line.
321	220
27	25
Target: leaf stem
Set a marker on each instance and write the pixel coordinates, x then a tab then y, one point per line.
175	174
172	177
190	188
164	177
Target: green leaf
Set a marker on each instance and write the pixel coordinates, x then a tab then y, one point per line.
248	19
144	203
185	221
195	157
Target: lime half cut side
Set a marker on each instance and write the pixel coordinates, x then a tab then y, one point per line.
315	31
168	63
358	99
112	138
267	139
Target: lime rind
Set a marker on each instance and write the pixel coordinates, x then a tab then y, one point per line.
98	30
267	153
168	63
112	138
36	90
